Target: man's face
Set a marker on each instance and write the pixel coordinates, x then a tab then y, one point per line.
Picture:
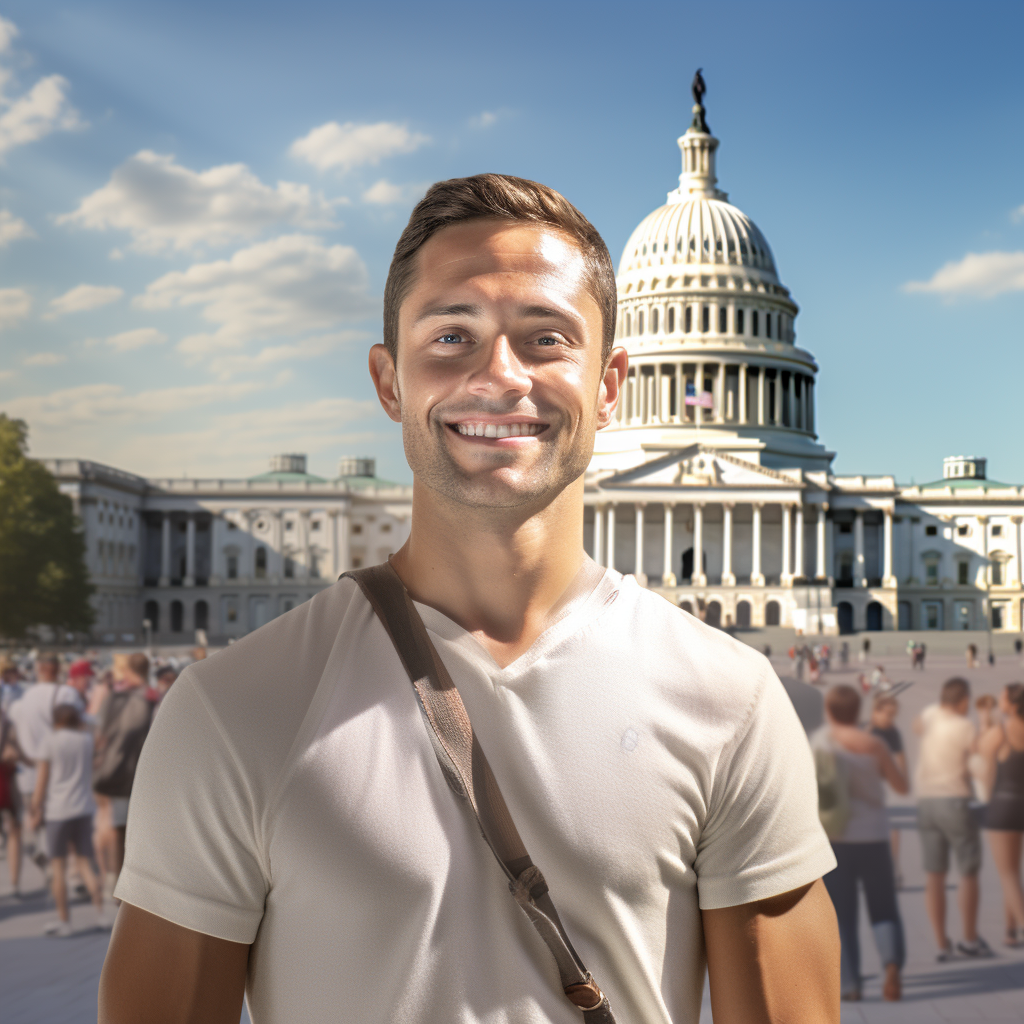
500	384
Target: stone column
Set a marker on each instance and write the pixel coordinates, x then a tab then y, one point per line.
165	549
859	579
787	546
983	524
792	400
680	394
778	398
756	576
275	556
303	540
728	577
810	405
698	387
190	550
741	393
658	412
699	578
798	543
1017	577
598	553
610	561
668	577
760	396
819	567
720	389
888	580
638	560
217	572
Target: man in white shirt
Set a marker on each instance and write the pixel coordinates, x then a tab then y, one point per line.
945	821
291	832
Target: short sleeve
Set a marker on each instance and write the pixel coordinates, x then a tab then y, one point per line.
191	853
763	836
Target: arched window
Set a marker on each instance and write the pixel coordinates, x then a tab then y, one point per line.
640	323
739	321
705	318
151	611
771	613
767	325
688	320
723	319
743	614
671	319
177	616
654	321
261	563
202	615
753	323
289	567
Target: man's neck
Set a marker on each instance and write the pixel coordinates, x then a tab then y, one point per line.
498	576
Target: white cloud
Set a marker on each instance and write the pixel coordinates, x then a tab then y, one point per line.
12	228
287	286
6	374
128	341
15	305
44	359
485	119
82	298
229	364
167	207
34	114
344	146
384	193
981	275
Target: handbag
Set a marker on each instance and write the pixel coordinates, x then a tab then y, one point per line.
468	774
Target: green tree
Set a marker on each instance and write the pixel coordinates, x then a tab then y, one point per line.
43	578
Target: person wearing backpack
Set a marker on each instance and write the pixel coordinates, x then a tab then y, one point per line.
122	725
860	839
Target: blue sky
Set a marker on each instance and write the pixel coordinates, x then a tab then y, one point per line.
198	203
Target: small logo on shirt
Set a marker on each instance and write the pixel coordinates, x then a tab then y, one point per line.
629	740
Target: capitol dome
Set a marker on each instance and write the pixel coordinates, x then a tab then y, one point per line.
710	331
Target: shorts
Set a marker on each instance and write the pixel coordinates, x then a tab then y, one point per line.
76	832
1005	813
118	811
946	822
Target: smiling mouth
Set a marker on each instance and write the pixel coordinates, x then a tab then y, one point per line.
498	430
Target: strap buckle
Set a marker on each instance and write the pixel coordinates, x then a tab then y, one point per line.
585	995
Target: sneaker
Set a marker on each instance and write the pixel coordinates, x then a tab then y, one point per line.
946	954
978	948
59	929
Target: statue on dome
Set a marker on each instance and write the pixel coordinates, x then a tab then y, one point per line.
698	88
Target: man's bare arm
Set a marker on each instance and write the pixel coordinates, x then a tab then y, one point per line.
775	960
161	973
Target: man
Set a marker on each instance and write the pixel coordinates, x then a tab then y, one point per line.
10	687
944	818
291	831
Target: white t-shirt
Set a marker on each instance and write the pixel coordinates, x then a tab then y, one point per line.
945	747
69	788
32	715
288	796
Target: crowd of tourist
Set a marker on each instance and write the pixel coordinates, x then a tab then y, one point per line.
71	731
968	779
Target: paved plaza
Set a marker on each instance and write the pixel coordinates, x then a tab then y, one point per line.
54	981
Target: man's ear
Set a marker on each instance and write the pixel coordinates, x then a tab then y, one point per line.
382	370
611	386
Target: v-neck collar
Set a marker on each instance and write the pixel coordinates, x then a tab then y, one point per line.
575	610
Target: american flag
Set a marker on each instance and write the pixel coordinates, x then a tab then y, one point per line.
703	399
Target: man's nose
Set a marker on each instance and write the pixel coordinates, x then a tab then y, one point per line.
503	371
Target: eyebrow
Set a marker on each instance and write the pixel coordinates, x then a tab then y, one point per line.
470	309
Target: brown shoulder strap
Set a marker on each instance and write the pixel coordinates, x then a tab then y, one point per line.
465	767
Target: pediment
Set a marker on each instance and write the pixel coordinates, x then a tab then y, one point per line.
699	466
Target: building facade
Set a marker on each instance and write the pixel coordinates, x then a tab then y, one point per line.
710	485
173	559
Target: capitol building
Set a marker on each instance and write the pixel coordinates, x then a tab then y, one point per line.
711	485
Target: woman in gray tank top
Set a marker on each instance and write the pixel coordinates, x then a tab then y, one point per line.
1002	747
862	849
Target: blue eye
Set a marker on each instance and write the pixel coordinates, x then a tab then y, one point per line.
450	339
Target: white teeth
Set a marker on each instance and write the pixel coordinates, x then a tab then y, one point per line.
499	430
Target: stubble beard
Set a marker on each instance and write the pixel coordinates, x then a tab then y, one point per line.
433	465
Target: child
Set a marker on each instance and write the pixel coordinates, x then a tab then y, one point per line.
883	719
63	795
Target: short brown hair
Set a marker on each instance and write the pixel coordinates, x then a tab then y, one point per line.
458	200
67	716
843	704
138	664
954	691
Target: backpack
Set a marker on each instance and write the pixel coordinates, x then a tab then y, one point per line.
833	787
124	722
